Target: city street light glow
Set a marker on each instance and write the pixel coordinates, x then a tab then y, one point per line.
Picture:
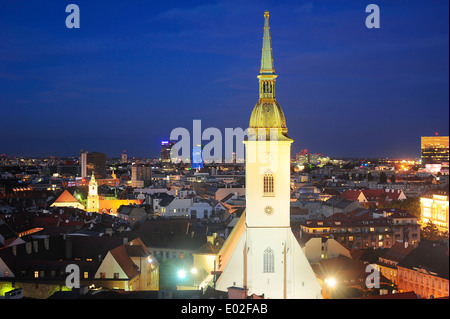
181	273
330	282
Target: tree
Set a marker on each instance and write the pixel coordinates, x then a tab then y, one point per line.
411	204
431	232
383	178
392	178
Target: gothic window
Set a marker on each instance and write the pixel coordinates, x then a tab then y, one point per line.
268	184
268	260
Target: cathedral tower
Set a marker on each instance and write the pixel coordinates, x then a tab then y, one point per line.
262	254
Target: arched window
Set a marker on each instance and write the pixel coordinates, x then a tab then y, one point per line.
268	260
268	184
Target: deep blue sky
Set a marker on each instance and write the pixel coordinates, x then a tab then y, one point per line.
135	70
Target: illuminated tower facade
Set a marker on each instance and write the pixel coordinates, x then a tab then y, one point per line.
93	199
262	255
434	150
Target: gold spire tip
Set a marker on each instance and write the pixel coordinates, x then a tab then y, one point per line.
266	14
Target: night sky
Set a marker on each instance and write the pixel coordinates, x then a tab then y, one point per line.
135	70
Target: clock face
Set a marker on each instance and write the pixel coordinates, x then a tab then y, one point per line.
268	210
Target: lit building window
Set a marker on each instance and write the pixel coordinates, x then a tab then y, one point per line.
268	261
268	184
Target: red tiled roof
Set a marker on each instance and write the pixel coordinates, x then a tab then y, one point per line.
397	252
373	194
120	254
66	197
350	194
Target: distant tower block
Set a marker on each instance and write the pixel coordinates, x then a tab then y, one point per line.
261	254
124	157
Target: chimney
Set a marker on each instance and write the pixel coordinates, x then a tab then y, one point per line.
125	240
211	238
35	246
47	243
68	248
14	250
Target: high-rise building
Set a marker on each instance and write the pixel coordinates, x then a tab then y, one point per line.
83	163
197	157
434	150
262	255
124	157
93	162
141	175
166	147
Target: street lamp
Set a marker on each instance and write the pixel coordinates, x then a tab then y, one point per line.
181	273
330	282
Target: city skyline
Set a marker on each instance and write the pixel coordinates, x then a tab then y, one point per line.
131	74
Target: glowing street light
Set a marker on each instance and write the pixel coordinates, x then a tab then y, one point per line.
330	282
181	273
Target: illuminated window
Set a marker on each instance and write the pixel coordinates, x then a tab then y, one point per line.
268	260
36	274
268	184
86	275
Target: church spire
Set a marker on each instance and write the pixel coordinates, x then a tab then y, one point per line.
267	66
267	74
267	113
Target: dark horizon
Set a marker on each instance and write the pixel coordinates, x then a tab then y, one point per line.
132	73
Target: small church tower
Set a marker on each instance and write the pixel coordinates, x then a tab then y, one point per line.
93	199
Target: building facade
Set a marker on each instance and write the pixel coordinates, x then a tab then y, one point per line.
425	271
94	162
434	150
379	230
141	175
434	207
